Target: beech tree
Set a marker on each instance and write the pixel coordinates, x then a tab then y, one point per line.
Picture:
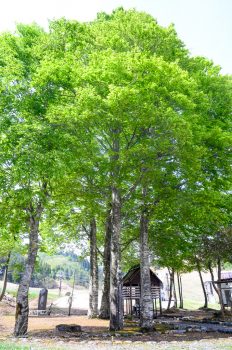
106	116
31	149
123	89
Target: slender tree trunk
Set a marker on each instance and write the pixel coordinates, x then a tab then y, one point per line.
170	288
212	277
116	314
146	303
219	288
71	296
202	285
216	288
22	307
116	317
105	302
174	290
93	283
181	289
5	277
179	282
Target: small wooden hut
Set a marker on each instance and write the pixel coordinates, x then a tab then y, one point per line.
226	287
131	292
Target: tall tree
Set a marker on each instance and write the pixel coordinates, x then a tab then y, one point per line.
31	154
93	289
110	97
146	302
105	301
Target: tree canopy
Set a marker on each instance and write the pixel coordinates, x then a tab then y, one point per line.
113	116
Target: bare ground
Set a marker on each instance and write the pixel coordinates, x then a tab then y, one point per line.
42	331
42	334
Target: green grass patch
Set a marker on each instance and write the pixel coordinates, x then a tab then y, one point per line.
12	289
33	294
190	304
11	346
7	346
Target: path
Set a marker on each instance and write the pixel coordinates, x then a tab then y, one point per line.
80	300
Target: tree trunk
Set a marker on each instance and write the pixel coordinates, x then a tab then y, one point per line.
70	301
22	307
146	303
116	312
5	277
181	289
212	278
93	283
216	288
220	289
116	316
179	282
105	302
202	285
170	288
174	290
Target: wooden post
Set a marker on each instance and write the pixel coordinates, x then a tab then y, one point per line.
155	308
130	301
160	302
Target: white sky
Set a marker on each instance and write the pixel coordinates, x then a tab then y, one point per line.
205	26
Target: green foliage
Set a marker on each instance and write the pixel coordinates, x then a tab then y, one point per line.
69	95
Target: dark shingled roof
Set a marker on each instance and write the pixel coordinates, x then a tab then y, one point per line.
226	277
132	277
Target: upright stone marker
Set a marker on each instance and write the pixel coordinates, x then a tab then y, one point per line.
43	295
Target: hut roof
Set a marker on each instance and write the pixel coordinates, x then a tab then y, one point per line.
132	277
226	276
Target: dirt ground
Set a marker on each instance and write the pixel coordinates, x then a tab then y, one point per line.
95	334
43	328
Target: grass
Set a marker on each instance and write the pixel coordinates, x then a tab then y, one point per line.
214	345
7	346
33	292
11	346
192	304
12	290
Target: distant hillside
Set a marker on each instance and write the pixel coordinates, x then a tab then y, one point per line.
65	265
49	270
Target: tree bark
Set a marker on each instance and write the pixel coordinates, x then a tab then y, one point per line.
116	315
181	288
212	278
22	307
216	288
5	277
146	303
174	290
219	288
105	302
116	312
93	282
202	285
170	288
71	296
181	305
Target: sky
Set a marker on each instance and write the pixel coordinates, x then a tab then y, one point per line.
205	26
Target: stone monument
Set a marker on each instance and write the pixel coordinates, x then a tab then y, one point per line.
43	295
